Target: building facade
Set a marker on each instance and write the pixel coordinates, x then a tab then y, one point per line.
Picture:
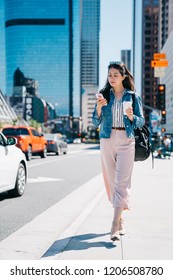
168	81
126	58
43	40
146	25
166	43
89	58
7	114
2	48
88	103
137	44
57	44
165	21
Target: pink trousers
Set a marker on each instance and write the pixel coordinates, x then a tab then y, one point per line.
117	158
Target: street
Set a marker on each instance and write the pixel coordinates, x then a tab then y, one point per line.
49	181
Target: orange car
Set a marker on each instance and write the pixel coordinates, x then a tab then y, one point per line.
29	140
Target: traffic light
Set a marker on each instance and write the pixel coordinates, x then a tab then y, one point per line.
163	119
161	97
163	129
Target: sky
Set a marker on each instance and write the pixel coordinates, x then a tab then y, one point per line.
115	32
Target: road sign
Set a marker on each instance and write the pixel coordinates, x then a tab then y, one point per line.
159	72
154	121
158	56
159	63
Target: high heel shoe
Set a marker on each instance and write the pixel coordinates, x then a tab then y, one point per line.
115	235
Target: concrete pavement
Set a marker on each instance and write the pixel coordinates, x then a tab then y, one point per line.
149	226
78	227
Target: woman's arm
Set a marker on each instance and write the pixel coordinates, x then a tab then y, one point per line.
96	119
97	114
138	116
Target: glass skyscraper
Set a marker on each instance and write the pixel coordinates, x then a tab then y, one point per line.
90	42
90	58
2	48
43	40
137	44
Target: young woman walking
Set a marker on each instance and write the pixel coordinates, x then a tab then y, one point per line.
117	116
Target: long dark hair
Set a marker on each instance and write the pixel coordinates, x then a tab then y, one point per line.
128	82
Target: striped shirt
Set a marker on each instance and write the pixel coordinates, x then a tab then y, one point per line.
117	113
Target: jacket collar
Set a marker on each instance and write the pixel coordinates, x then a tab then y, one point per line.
125	92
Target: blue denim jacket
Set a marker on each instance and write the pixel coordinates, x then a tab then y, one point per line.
105	120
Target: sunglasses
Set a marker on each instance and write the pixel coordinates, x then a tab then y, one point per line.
116	62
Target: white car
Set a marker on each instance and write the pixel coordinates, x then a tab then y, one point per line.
77	141
13	167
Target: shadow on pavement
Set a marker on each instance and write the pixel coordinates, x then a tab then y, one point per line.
7	195
96	147
78	242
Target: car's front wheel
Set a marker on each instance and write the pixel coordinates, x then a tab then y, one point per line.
65	151
20	181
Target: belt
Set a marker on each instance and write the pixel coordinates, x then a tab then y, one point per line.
119	128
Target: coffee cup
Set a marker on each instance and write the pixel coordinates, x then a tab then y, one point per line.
126	105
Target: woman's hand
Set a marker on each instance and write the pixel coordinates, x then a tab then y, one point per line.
100	103
129	113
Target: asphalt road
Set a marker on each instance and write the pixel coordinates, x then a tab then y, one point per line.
49	180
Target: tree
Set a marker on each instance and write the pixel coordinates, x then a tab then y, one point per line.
18	78
35	124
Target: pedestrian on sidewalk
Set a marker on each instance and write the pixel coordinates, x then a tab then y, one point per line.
117	120
165	149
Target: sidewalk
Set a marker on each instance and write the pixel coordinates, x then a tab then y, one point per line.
149	226
78	227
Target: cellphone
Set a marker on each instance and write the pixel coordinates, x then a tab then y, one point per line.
98	95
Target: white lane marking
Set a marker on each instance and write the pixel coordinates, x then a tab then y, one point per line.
42	179
81	153
50	161
94	152
74	152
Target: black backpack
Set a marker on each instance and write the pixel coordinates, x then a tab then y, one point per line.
142	141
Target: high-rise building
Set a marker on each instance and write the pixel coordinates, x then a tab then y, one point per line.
2	48
168	82
43	39
90	42
7	114
166	43
145	44
89	58
56	43
137	44
126	58
166	20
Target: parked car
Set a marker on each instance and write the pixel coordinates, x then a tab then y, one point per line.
69	140
56	144
29	140
77	141
13	167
